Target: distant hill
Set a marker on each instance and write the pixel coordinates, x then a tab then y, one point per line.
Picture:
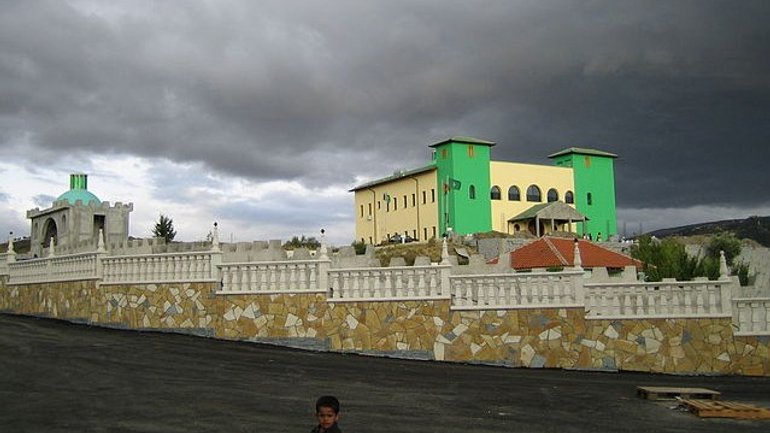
756	228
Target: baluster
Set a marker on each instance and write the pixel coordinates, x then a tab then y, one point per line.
458	292
755	313
688	301
292	283
699	301
312	277
524	291
410	283
432	282
388	288
355	285
418	280
652	304
637	301
469	292
397	284
252	270
713	307
345	285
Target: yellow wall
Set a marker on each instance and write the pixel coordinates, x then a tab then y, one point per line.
376	220
505	174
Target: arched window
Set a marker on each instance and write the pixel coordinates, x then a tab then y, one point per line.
589	199
514	194
552	195
472	192
533	193
495	193
569	197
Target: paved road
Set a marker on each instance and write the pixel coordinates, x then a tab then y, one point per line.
61	377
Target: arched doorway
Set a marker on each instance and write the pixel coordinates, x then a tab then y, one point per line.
50	231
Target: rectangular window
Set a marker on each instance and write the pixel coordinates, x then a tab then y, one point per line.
423	197
379	205
370	209
395	204
414	200
414	234
433	195
470	151
387	206
434	231
362	211
425	233
370	240
405	202
443	153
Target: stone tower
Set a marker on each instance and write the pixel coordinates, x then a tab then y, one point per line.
74	219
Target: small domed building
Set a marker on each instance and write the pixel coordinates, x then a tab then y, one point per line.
75	218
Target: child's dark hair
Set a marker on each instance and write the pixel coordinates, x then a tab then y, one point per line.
328	401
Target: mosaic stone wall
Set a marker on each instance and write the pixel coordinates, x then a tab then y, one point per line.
535	338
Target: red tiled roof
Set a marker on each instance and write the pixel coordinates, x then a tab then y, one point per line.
552	252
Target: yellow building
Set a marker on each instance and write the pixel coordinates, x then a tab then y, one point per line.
463	191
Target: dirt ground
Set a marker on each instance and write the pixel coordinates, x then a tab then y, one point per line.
61	377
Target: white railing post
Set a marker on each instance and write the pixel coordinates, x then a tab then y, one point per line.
578	288
100	252
323	266
216	256
11	255
723	272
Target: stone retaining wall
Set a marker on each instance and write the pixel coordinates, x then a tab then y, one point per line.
551	338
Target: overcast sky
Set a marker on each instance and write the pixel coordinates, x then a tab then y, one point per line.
262	114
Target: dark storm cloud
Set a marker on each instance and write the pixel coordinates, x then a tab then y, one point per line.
322	92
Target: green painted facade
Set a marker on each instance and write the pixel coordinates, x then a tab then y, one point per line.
594	177
463	182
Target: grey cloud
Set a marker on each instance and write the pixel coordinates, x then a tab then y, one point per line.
43	201
322	93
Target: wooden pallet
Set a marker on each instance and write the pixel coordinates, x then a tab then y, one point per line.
725	409
672	393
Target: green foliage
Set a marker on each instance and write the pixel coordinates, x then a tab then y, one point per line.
310	243
726	242
665	259
359	246
164	228
742	271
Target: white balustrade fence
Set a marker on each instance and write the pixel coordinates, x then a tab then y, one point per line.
274	277
518	290
659	300
392	283
161	268
51	269
752	316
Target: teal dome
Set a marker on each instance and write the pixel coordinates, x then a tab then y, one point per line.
83	195
79	191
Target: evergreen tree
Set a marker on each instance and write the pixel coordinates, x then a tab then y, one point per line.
164	228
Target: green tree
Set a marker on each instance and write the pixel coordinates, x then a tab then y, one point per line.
665	259
726	242
310	243
164	228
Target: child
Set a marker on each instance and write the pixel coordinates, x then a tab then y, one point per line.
327	410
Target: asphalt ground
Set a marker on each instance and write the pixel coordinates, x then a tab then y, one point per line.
57	376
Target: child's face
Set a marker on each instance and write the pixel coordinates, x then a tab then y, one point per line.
326	416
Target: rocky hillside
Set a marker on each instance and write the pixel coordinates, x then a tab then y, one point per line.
755	228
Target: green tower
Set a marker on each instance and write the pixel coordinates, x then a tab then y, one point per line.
594	176
463	184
